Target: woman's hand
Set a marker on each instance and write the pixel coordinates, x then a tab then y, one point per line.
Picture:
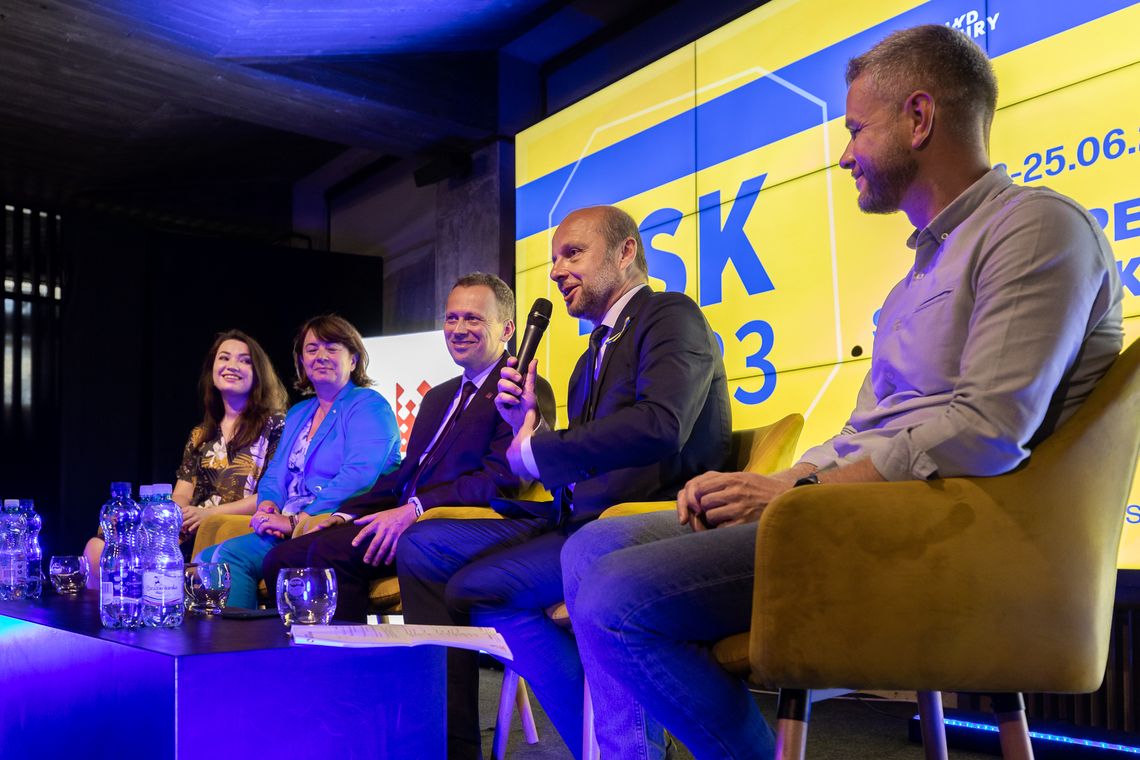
193	516
271	524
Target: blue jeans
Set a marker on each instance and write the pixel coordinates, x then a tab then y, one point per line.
648	598
502	574
244	555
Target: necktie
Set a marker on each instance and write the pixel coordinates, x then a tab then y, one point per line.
597	338
464	395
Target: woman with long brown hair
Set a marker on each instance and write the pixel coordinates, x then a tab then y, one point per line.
243	404
243	414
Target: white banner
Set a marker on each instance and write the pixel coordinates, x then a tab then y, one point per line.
404	368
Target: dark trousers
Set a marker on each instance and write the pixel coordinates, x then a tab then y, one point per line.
333	548
502	574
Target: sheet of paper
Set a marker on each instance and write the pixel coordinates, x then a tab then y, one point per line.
463	637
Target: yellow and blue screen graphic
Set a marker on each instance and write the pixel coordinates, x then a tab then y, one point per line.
726	152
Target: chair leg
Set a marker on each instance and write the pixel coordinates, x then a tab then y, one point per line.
590	749
507	696
1013	729
933	727
526	714
792	715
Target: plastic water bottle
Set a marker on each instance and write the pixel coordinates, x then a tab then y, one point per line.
13	551
120	566
163	567
34	552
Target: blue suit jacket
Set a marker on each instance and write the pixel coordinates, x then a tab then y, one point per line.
357	442
660	410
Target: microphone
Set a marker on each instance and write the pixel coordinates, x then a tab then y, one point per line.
536	323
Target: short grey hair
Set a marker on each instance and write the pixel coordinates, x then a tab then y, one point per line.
939	60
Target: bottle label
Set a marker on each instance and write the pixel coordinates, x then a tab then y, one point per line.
161	588
121	587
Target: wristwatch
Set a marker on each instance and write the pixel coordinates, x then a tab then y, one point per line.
415	502
807	480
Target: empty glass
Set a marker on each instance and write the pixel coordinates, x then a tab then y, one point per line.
68	573
207	587
306	595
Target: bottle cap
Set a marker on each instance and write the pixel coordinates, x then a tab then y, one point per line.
28	503
11	502
162	489
145	491
119	485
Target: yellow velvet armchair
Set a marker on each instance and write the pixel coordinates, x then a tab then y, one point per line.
998	585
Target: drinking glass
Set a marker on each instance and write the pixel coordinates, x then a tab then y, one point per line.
306	595
68	573
207	587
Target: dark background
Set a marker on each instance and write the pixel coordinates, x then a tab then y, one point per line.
140	312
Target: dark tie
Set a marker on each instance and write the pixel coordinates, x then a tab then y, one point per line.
430	456
597	338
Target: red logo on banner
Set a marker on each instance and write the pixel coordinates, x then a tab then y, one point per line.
407	405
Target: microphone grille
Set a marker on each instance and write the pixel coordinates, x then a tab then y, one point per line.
542	309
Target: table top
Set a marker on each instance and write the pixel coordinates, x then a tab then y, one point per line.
198	634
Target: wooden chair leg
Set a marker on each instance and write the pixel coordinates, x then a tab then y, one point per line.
1013	729
933	725
792	715
526	714
590	749
507	697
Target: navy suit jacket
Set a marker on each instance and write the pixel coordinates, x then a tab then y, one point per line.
471	467
660	410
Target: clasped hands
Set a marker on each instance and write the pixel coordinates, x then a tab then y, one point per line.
721	499
268	521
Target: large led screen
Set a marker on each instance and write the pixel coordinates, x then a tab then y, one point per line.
726	153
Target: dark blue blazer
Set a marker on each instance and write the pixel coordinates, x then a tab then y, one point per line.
470	464
660	410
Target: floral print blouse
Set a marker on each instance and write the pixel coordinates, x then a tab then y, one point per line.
220	478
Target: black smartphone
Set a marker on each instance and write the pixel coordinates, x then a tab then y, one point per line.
241	613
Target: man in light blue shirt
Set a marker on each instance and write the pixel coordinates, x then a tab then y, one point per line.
1008	318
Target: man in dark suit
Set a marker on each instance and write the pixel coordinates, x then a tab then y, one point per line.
648	408
456	454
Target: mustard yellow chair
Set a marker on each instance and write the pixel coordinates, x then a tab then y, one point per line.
761	450
996	585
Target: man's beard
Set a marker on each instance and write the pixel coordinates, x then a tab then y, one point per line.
592	300
886	181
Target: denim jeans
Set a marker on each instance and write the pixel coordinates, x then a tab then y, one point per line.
648	598
244	555
502	574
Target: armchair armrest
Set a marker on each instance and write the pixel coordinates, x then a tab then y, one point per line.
923	585
217	528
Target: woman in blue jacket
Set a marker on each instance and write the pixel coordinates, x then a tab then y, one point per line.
334	446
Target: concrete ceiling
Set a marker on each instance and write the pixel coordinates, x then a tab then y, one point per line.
138	105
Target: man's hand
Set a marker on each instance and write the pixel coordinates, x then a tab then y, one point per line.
514	451
312	526
719	499
384	529
516	401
